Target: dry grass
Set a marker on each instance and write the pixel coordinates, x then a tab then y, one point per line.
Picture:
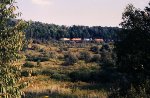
42	85
63	88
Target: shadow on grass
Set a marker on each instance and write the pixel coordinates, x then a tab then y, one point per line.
47	95
96	86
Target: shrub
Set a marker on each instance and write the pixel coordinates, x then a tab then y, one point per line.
107	58
61	57
62	48
105	47
86	56
59	77
94	49
42	50
55	74
35	41
25	46
48	72
96	58
70	59
52	55
25	73
36	59
85	75
38	63
137	91
28	64
36	73
35	47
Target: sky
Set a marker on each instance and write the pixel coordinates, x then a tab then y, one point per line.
77	12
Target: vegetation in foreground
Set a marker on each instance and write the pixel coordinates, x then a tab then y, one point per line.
11	39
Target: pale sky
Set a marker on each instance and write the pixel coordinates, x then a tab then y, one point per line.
77	12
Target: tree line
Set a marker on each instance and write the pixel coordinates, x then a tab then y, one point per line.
44	31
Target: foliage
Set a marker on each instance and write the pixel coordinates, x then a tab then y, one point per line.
48	72
133	49
86	56
28	64
70	59
108	55
60	77
96	58
137	91
52	55
85	75
107	58
133	46
11	39
105	47
37	59
38	63
43	31
94	49
36	47
25	73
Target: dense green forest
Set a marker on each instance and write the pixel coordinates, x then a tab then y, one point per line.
44	31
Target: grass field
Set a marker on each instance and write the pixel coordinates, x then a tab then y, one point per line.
48	77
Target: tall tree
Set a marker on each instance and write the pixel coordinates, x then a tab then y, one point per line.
133	46
11	39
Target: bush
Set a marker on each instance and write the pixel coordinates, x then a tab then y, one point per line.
85	75
137	91
61	57
38	63
25	73
36	73
96	58
42	50
80	76
52	55
86	56
35	41
28	64
35	47
48	72
105	47
64	48
36	59
94	49
70	59
59	77
55	74
107	58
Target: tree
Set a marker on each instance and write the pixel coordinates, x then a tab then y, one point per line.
133	46
40	31
11	40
